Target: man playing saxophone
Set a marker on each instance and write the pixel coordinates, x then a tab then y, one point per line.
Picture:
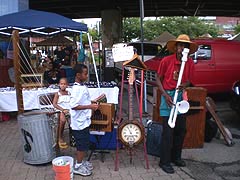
167	81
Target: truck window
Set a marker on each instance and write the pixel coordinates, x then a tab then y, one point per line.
204	52
149	49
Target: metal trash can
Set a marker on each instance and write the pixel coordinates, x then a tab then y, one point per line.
37	137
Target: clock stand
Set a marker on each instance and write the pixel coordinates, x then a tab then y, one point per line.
131	132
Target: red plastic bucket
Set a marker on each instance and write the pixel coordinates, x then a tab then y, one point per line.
63	168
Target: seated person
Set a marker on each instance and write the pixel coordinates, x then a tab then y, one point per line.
66	63
61	102
52	75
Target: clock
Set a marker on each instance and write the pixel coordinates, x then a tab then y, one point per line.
131	132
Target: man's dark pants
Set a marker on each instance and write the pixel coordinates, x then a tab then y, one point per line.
172	140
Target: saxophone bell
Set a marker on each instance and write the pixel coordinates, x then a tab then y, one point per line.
182	106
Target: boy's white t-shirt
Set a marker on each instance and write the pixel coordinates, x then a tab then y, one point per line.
80	119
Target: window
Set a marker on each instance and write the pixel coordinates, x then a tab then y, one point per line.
204	52
149	49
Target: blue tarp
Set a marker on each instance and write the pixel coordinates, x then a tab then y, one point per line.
32	19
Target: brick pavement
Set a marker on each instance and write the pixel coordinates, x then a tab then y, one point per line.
12	166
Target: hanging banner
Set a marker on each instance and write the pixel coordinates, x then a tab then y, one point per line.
122	52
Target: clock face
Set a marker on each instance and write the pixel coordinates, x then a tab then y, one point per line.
131	133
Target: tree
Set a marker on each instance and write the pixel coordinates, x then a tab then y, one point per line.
131	29
237	29
192	26
93	32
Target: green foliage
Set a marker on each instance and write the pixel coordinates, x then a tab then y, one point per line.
131	29
192	26
237	29
92	32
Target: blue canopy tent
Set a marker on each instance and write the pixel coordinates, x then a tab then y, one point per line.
43	23
37	21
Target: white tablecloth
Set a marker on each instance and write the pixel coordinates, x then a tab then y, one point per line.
8	100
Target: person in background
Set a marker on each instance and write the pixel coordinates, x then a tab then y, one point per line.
167	77
61	102
66	61
51	74
74	57
60	52
38	57
81	110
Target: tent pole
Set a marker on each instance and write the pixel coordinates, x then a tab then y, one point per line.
142	51
94	62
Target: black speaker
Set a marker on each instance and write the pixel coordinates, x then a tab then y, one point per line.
109	74
154	136
211	129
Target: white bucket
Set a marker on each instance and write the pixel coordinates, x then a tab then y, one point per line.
63	161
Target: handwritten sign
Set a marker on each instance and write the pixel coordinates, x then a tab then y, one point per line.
122	52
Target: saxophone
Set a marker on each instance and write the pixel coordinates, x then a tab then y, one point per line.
182	106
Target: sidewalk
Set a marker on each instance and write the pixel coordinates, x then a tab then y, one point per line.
13	168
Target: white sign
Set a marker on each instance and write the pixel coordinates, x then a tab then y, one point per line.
122	52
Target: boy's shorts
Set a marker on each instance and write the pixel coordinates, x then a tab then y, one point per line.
82	139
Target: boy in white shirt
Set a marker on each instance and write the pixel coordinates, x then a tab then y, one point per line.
81	110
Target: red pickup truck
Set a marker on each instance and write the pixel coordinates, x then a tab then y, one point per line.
217	64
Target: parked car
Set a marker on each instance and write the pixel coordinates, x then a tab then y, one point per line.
235	97
217	64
